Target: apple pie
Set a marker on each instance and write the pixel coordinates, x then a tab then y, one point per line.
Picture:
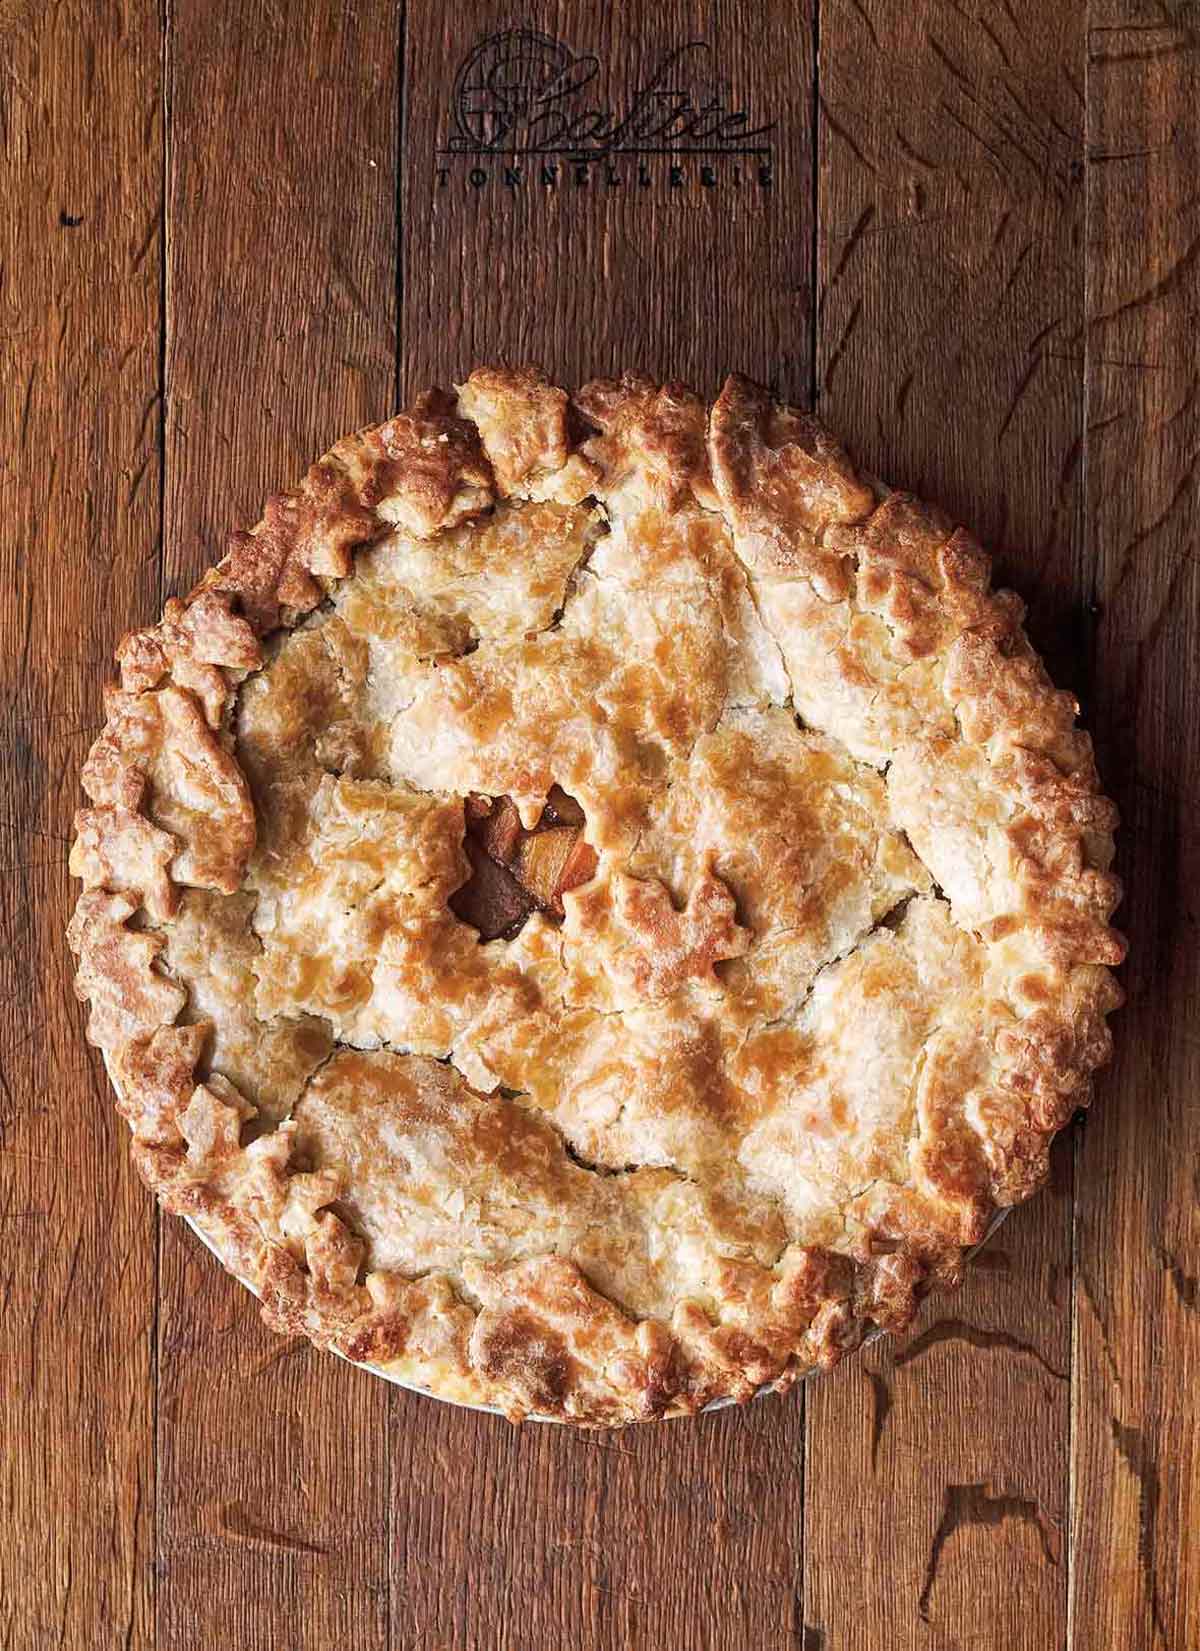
593	904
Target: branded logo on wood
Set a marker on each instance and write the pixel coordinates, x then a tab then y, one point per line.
529	114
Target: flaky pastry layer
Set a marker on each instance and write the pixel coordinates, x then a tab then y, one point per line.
839	975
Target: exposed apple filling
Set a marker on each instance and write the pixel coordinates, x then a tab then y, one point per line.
515	871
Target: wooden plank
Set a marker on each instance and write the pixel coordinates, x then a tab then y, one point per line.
1136	1466
950	210
686	1535
281	313
281	236
80	181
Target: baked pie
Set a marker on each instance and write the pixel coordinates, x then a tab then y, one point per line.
593	904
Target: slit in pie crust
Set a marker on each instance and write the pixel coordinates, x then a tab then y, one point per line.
592	904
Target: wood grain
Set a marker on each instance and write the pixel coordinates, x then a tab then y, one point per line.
273	1469
282	252
80	187
594	277
1136	1462
687	1537
1005	251
950	218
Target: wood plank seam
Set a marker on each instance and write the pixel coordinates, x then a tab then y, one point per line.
814	391
392	1407
166	19
1076	1138
402	392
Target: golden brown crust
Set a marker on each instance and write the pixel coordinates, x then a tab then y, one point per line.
783	482
652	438
762	1075
522	423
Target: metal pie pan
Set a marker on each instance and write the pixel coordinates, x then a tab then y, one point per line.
494	1410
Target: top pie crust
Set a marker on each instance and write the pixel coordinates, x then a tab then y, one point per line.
840	974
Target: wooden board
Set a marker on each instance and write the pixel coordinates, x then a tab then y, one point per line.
1136	1460
272	1522
532	1539
951	208
971	232
80	328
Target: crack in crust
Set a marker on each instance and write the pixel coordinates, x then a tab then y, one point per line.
775	1196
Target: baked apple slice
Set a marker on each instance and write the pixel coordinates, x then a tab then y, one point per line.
514	870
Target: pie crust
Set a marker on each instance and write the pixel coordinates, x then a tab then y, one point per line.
791	987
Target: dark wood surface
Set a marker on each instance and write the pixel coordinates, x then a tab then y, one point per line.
224	240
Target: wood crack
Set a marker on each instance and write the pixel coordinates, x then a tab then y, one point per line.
976	1504
956	1329
1133	1451
234	1520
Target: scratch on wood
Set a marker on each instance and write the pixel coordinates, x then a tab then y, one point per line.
982	21
1085	1290
852	240
1102	157
972	133
62	1623
152	403
136	482
1184	408
146	243
131	1598
1151	54
1070	465
948	63
842	343
1068	137
1108	361
913	154
234	1520
1166	611
1133	28
984	1340
619	1593
1125	558
881	1405
841	132
976	1505
603	1444
72	1267
1186	1287
902	393
1015	271
1103	423
287	1349
1018	395
1131	1446
27	403
1162	288
864	18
